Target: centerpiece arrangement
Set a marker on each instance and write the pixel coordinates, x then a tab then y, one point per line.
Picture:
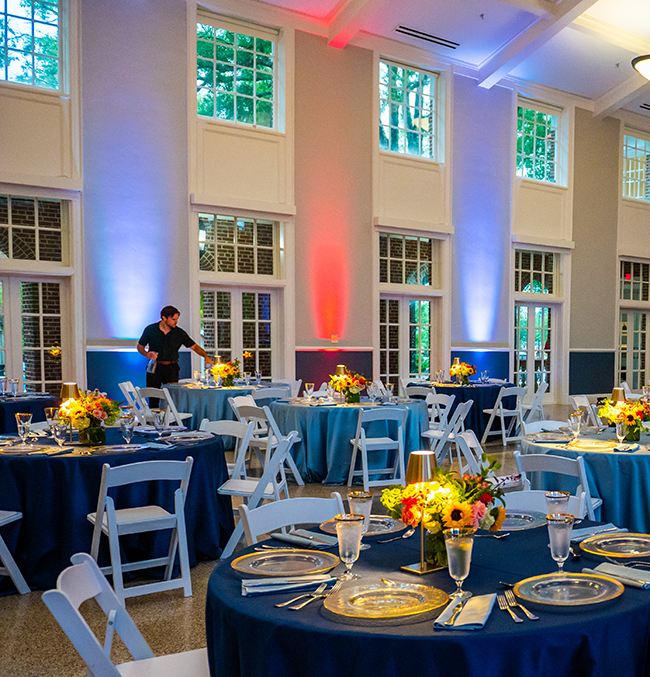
349	384
462	371
630	414
448	502
229	371
89	413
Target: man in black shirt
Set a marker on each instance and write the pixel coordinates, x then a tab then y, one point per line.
161	341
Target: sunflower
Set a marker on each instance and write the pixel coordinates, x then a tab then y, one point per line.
499	520
456	514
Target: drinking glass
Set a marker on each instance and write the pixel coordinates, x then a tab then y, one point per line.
390	387
59	432
127	423
51	416
557	501
24	424
349	531
370	389
575	422
13	384
309	390
560	526
3	385
126	410
159	421
330	392
258	378
360	503
620	432
197	375
459	544
247	378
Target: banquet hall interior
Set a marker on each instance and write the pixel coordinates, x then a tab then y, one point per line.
388	187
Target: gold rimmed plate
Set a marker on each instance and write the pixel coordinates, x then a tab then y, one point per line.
379	525
568	590
518	520
592	445
285	563
622	545
379	601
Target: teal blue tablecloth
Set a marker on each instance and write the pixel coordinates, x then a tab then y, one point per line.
325	451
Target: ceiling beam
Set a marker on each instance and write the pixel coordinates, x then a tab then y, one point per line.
621	95
528	42
347	21
614	36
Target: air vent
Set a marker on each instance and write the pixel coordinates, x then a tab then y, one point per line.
412	33
645	106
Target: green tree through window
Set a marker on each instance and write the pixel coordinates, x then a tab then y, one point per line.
537	151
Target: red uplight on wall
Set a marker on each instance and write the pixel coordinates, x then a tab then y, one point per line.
329	282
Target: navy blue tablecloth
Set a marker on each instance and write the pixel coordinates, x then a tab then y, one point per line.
249	637
35	405
56	493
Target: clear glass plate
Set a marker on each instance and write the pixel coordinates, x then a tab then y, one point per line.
518	520
376	600
568	590
379	525
118	448
550	437
189	437
618	545
150	430
285	563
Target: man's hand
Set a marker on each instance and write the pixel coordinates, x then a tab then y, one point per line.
208	362
152	355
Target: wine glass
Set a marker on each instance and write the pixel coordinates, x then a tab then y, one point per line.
51	416
360	503
127	424
59	432
370	389
575	422
330	392
13	384
459	544
247	378
24	424
557	501
159	421
309	390
390	387
348	530
258	378
560	526
620	432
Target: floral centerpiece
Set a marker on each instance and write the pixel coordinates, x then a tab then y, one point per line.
448	502
630	414
229	371
89	414
462	371
349	384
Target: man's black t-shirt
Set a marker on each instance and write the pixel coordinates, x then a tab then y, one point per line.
166	345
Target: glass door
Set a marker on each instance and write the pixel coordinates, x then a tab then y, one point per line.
533	354
632	348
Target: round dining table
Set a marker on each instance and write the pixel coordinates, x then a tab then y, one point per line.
25	403
620	478
250	637
324	451
56	492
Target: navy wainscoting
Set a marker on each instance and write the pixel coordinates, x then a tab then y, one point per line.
316	366
591	372
497	362
106	368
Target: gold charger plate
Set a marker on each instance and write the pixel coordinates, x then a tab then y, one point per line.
567	590
285	563
619	545
379	601
592	445
378	526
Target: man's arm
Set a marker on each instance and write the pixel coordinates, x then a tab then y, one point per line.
149	354
199	351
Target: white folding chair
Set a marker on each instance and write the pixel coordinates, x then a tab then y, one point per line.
419	391
440	440
511	432
629	395
322	391
536	500
536	406
172	415
381	388
132	399
120	522
279	514
548	463
278	393
469	454
362	444
541	426
269	487
294	386
9	566
243	434
581	403
83	581
439	407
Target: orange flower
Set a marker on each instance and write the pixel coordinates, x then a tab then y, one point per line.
499	520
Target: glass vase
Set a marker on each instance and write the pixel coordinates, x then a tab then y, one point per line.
632	433
228	381
435	550
93	436
352	398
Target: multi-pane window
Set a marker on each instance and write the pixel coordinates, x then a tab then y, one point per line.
533	354
389	343
230	244
633	348
30	47
407	110
405	259
537	145
234	322
30	228
419	337
635	281
236	75
535	272
40	306
636	177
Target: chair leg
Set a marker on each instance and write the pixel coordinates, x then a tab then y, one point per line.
294	470
114	546
12	568
235	537
488	428
183	554
364	467
171	556
503	428
353	462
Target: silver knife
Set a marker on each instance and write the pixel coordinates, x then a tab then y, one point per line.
459	607
312	538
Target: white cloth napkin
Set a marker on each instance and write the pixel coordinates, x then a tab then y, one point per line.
578	535
627	447
330	540
473	616
264	586
634	578
297	539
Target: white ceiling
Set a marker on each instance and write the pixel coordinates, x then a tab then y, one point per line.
579	46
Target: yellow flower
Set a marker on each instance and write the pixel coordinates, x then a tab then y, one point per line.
456	514
247	354
499	520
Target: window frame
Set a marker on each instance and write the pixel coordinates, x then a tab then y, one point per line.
521	295
637	135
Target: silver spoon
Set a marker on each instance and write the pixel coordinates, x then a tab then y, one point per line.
407	534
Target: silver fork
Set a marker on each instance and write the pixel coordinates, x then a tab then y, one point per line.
318	591
335	588
407	534
632	565
512	601
503	605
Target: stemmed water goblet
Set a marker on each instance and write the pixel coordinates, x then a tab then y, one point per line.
349	531
159	421
560	526
13	384
330	392
127	423
390	387
620	432
458	543
59	432
258	378
575	423
51	416
247	378
24	424
360	503
309	390
370	389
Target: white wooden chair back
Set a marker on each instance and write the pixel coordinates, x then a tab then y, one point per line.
132	399
279	393
536	500
439	407
541	426
381	388
510	432
9	566
419	391
536	406
272	516
240	401
243	434
172	417
440	445
322	391
581	403
294	386
469	452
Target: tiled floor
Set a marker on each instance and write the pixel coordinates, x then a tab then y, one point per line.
33	645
